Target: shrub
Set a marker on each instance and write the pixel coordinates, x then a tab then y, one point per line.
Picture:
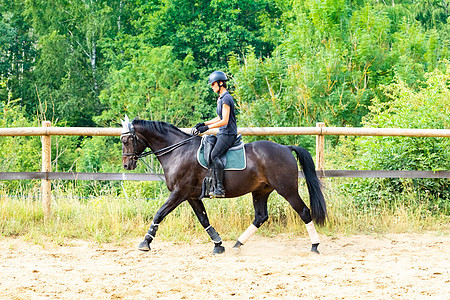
426	107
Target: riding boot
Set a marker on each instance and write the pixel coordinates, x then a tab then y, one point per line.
209	182
219	190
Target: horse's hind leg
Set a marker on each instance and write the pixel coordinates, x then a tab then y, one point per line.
300	207
261	215
200	212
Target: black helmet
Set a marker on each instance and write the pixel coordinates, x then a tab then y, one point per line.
216	76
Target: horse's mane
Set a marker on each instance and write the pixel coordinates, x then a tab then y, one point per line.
161	127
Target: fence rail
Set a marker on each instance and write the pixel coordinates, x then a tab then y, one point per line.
160	177
263	131
320	131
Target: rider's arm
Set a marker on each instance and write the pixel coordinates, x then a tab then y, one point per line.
215	120
220	122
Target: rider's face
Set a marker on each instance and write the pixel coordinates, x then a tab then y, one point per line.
215	87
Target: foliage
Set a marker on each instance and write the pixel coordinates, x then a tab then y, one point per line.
99	154
332	63
291	63
208	30
154	85
17	153
318	60
259	94
428	107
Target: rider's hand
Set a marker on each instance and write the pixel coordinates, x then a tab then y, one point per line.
199	124
194	130
202	128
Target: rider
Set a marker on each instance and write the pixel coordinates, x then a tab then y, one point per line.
226	122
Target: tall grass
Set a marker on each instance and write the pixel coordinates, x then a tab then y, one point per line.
111	217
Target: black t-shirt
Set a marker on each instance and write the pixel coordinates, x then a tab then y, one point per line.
231	127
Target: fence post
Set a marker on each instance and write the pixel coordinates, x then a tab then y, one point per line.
46	167
320	150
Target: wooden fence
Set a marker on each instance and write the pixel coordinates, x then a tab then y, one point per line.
46	131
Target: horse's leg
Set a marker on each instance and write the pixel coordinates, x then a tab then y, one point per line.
300	207
260	204
200	212
172	202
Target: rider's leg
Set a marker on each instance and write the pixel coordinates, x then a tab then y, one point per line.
224	142
219	190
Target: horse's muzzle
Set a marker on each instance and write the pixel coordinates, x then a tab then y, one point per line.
129	164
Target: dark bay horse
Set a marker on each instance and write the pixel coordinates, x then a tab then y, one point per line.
270	166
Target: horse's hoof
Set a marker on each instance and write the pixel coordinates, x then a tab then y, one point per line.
218	250
314	248
237	247
144	246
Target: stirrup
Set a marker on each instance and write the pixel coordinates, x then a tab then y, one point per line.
219	193
207	188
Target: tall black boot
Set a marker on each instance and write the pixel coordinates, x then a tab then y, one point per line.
219	190
208	182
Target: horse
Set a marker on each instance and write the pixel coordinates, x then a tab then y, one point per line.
269	166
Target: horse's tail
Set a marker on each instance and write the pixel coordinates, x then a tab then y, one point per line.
316	198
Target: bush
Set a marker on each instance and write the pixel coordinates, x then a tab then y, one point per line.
426	107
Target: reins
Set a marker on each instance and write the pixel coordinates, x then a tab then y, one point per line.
157	153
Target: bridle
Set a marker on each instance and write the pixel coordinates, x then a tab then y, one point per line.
136	139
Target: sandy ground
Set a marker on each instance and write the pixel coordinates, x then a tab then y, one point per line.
393	266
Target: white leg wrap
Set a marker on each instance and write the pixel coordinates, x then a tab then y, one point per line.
312	233
247	234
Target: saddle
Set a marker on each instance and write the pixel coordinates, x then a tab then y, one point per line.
233	159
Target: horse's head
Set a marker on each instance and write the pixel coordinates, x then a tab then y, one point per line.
132	145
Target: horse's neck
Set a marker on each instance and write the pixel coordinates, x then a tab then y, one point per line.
157	140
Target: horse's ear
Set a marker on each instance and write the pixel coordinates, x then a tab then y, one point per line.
124	127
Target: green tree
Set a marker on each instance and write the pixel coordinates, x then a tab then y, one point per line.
155	85
432	14
17	51
68	34
209	30
159	70
332	63
17	153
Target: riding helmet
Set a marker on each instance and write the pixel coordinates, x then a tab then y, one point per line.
216	76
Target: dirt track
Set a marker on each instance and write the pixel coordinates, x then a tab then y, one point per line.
399	266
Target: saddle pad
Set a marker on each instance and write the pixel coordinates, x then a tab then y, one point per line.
235	159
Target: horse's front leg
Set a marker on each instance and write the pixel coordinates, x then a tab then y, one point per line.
172	202
200	212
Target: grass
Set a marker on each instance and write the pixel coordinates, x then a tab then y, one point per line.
109	217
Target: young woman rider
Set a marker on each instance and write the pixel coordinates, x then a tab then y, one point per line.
226	122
